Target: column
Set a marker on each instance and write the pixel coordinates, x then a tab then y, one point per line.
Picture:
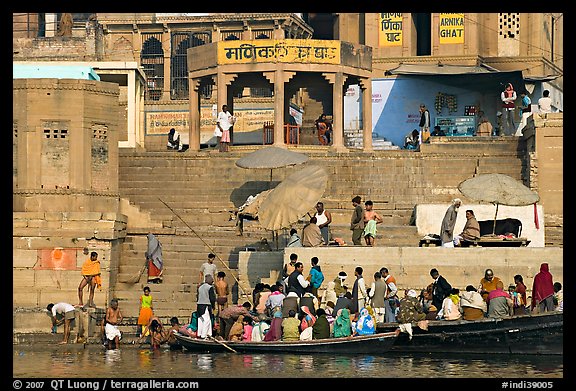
366	87
279	108
166	49
194	113
223	80
278	78
337	80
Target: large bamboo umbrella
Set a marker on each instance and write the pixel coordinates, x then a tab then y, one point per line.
498	189
271	158
292	198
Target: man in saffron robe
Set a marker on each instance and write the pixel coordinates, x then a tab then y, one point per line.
488	284
90	276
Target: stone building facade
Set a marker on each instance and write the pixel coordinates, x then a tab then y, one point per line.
65	185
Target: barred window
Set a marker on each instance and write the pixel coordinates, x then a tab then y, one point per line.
231	35
152	59
180	42
259	92
263	34
55	133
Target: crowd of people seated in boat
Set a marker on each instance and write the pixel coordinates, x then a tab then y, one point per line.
289	311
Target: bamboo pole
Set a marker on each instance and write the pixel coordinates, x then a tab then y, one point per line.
210	247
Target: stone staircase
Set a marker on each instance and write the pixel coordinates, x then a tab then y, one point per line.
204	187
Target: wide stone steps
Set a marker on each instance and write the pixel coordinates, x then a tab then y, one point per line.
204	187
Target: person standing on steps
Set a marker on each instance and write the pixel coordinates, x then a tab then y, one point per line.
357	221
208	268
371	218
424	124
323	220
508	97
91	276
225	122
448	223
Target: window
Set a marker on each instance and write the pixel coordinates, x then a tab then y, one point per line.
509	25
181	41
231	35
423	24
262	34
152	59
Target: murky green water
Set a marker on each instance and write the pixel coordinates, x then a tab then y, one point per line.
74	361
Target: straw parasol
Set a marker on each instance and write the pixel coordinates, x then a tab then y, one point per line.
271	158
292	198
498	189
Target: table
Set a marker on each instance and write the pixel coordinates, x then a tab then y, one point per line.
482	242
501	242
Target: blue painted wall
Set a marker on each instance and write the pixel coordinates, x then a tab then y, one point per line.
396	103
24	71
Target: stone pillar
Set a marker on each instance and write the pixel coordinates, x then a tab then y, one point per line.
279	108
337	80
194	110
278	78
166	42
366	87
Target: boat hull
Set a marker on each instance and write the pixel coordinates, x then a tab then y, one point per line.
373	344
540	334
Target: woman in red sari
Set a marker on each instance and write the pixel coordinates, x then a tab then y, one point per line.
543	290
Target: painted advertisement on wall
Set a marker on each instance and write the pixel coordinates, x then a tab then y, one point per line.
247	129
160	122
390	29
451	28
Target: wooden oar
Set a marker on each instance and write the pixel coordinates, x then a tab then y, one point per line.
223	344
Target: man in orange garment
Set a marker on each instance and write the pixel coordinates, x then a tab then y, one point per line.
90	276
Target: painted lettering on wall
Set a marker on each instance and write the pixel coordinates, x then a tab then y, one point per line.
390	29
279	50
451	28
249	120
160	122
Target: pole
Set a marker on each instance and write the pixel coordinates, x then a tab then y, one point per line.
223	344
210	247
494	226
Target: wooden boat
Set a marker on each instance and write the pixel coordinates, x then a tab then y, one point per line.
374	344
522	334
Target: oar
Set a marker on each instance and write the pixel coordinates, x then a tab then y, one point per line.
223	344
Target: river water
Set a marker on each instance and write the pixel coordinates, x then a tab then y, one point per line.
93	361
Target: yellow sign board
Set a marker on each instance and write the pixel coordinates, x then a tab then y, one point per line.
308	51
390	29
451	28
